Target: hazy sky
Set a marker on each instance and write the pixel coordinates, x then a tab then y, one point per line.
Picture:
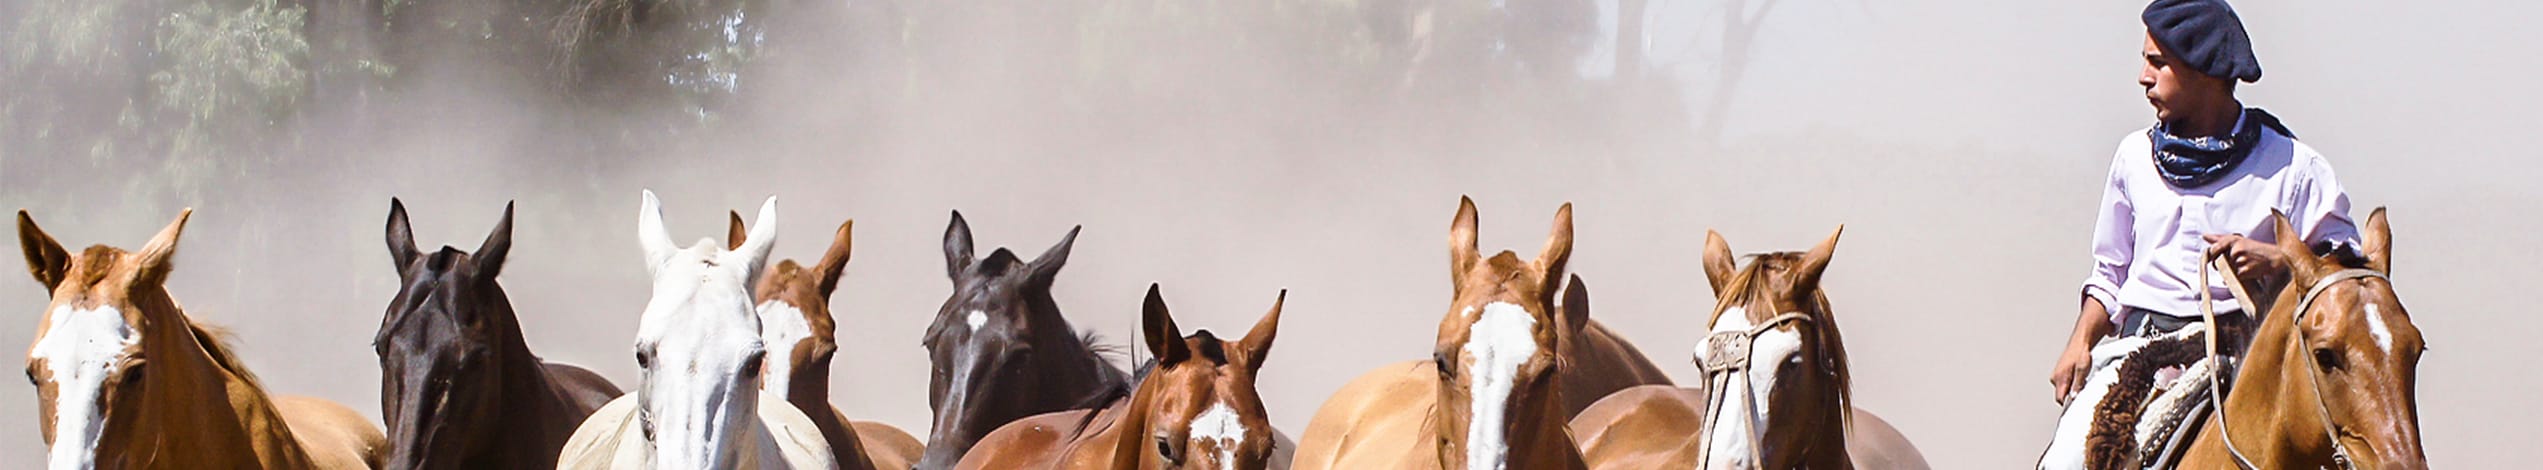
1961	142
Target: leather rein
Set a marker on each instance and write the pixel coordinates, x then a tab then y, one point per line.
2216	386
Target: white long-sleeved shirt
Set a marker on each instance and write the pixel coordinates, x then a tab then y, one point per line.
2147	242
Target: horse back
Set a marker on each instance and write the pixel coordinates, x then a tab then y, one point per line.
1641	427
335	437
1600	362
1038	441
580	387
1379	420
888	447
1873	444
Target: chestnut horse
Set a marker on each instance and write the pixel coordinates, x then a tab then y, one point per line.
125	379
459	386
795	325
1778	381
1196	407
700	405
2329	380
1000	351
1489	398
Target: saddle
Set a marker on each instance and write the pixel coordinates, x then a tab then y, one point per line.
2135	412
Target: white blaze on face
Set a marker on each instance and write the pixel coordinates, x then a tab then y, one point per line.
2375	327
976	319
1498	343
1768	353
1219	427
81	349
782	328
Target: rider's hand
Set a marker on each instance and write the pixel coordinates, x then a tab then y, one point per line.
2073	368
2250	258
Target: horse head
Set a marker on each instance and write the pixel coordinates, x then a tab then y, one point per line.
1198	408
699	343
93	349
442	345
1499	402
1000	350
1775	362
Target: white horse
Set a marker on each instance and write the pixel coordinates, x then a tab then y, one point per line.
699	405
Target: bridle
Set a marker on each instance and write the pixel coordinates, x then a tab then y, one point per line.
1727	353
2216	390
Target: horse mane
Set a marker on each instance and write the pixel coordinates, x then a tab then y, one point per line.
216	343
2342	254
2113	437
1748	283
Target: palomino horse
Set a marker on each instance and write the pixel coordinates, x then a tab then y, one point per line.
796	326
1195	407
1489	398
700	404
459	386
1001	351
126	380
1777	381
2329	380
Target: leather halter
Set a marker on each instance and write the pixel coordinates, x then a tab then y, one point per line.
1726	353
2216	390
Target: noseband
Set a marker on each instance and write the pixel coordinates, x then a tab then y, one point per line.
2216	391
1727	353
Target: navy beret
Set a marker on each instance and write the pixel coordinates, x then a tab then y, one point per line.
2206	35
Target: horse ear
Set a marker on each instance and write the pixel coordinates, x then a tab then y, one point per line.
1815	263
497	247
2300	258
401	236
1575	308
1258	342
158	257
1047	267
652	235
1165	341
835	260
734	231
1719	263
45	258
1461	240
958	255
761	240
1558	250
2375	240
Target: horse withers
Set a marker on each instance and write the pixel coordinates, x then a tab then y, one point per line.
1195	407
793	301
459	385
699	405
1490	397
125	379
1000	351
1778	392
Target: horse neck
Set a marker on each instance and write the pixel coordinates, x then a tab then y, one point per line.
2272	410
525	379
1542	440
185	371
1083	375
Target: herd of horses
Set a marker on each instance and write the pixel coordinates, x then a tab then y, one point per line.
735	356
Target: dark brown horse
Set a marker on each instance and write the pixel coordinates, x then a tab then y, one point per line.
458	384
793	302
1196	408
126	380
1001	351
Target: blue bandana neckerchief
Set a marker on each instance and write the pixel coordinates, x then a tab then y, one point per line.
2196	161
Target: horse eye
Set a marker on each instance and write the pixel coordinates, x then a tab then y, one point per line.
643	360
30	377
1440	361
1165	449
2327	359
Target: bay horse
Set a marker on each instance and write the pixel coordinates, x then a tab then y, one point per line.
1489	398
1195	407
125	379
699	405
1778	393
795	324
1000	350
2331	379
459	386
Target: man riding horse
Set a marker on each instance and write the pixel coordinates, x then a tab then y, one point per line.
2202	180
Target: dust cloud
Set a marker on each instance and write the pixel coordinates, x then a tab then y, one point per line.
1229	157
